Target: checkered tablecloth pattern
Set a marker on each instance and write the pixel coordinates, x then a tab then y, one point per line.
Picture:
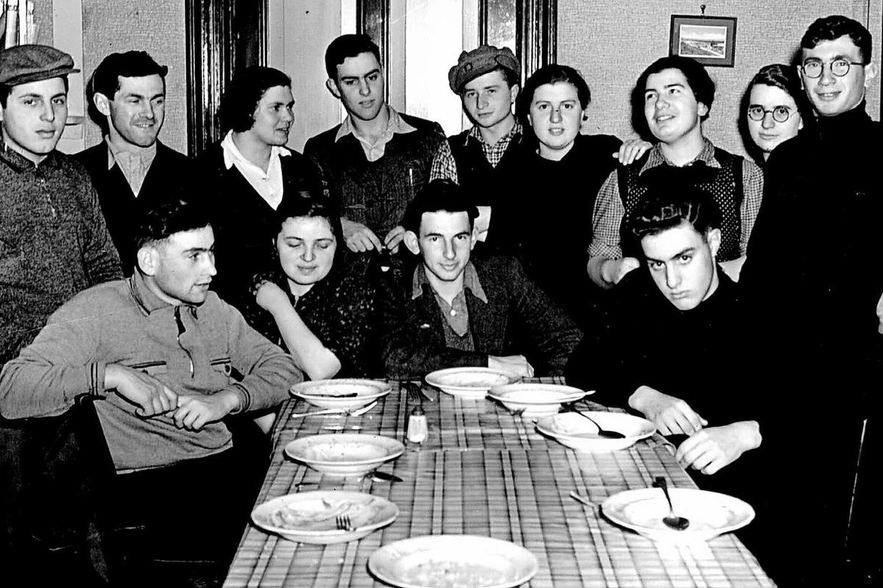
483	471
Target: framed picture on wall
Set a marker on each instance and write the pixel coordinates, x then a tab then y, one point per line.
710	40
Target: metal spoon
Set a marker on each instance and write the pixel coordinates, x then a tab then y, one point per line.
601	431
672	520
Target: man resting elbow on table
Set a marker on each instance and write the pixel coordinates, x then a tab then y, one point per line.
673	335
456	310
167	363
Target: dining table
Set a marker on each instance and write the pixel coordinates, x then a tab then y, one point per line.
486	470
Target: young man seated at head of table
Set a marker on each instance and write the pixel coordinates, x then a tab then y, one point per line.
168	364
672	340
457	309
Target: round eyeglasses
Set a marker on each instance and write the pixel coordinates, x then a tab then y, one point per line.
812	68
780	113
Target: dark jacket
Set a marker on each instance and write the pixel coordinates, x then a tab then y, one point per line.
377	193
166	180
518	319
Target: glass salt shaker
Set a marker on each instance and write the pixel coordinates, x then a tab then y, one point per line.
417	427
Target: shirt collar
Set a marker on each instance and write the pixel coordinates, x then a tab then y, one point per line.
470	282
396	125
516	130
706	155
232	155
146	299
20	163
114	153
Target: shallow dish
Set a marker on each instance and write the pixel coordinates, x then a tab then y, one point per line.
469	382
710	513
344	454
453	561
535	400
310	517
342	394
576	432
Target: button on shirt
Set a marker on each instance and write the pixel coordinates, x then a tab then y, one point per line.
268	184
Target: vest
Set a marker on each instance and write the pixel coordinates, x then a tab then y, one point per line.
475	174
724	184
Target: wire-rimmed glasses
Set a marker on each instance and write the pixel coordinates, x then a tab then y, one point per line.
812	68
780	113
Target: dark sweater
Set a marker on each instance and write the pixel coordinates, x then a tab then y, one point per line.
377	193
165	181
518	319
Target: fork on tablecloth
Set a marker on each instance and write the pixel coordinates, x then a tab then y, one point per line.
344	523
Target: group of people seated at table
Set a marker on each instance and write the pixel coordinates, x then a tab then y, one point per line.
677	280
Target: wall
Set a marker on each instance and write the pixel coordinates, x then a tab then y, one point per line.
157	27
612	42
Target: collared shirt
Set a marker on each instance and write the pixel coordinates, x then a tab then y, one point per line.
134	164
266	183
457	313
374	151
609	210
445	167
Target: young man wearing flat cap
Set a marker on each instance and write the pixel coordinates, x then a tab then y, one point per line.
131	167
378	158
487	80
53	244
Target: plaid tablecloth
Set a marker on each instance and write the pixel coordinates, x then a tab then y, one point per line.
483	471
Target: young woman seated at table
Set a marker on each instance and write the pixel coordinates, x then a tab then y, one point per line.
775	109
318	302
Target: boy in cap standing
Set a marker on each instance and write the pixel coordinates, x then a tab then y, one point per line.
488	80
53	244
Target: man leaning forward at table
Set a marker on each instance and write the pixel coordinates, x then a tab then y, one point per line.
168	364
455	310
672	338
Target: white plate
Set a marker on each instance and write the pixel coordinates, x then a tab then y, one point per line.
536	399
344	454
343	394
710	513
576	432
453	561
469	382
310	517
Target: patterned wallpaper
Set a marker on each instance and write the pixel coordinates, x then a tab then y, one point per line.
612	42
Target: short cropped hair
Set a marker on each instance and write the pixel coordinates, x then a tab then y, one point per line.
106	77
240	101
552	74
438	196
346	46
835	26
697	78
663	209
162	220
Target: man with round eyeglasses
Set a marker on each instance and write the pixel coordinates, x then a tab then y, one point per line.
813	283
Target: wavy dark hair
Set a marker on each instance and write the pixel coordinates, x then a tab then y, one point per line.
663	209
346	46
835	26
440	195
313	203
238	105
697	78
106	78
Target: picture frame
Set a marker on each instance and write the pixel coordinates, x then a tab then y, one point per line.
710	40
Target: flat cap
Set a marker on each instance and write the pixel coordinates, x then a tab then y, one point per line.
480	61
23	64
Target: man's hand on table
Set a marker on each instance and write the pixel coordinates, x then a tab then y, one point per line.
194	412
517	365
712	448
672	416
149	395
358	237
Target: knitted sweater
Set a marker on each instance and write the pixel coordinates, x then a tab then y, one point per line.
53	243
123	322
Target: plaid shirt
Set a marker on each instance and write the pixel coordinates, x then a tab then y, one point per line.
609	211
445	167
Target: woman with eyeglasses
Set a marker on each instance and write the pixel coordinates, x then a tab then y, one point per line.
318	302
776	108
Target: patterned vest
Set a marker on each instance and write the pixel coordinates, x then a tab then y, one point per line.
724	184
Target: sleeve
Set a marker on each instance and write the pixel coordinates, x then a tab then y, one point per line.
100	257
57	367
268	372
606	220
554	334
752	196
444	167
409	345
